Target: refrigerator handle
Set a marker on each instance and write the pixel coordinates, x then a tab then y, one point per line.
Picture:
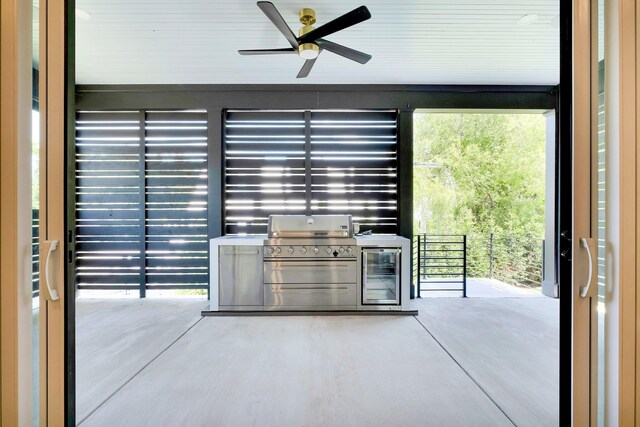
398	270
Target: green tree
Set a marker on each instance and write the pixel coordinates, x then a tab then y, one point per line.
479	173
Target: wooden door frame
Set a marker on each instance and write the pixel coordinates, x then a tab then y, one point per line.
581	142
627	119
56	83
623	213
15	211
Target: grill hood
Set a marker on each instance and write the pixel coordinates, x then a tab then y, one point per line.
303	226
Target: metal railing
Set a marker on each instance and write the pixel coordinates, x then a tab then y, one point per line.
444	260
441	263
510	258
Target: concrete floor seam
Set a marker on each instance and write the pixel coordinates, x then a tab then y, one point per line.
138	372
467	373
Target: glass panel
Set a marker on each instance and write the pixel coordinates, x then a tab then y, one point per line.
381	281
35	207
601	212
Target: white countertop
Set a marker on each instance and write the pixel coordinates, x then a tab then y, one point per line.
381	240
258	240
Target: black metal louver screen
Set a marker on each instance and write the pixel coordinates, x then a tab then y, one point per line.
108	223
354	167
141	200
176	200
310	162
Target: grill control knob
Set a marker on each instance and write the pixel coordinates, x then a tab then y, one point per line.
341	250
328	250
316	250
278	250
290	250
270	250
349	250
303	250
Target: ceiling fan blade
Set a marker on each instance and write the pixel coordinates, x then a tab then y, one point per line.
347	20
267	51
272	13
306	68
347	52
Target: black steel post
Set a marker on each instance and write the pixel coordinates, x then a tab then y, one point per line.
464	266
142	204
215	180
307	161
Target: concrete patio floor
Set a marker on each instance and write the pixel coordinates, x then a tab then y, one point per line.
486	361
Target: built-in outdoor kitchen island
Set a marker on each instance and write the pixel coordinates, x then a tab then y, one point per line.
310	263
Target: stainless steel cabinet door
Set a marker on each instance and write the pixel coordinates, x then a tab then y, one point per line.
241	275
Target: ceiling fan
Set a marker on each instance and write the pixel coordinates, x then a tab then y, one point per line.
310	41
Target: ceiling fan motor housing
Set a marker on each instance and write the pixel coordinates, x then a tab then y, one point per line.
307	19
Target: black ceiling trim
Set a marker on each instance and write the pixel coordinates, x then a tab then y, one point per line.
92	97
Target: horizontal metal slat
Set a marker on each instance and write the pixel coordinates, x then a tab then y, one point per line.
178	197
179	116
233	116
120	150
255	162
107	132
257	180
177	263
184	213
353	161
176	181
162	247
355	179
176	150
178	278
107	278
131	248
103	181
351	115
106	214
175	229
108	164
179	165
106	116
106	198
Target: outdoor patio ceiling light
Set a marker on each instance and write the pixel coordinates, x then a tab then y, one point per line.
308	51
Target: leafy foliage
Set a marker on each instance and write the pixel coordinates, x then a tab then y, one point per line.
479	173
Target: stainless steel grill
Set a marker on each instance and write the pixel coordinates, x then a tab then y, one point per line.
310	263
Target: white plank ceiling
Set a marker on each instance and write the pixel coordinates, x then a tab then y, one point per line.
412	42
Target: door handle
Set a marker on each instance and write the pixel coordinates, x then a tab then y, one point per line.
52	292
587	243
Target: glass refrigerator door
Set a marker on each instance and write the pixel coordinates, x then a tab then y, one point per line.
381	276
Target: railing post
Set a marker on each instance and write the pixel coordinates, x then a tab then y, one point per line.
418	272
464	266
490	255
